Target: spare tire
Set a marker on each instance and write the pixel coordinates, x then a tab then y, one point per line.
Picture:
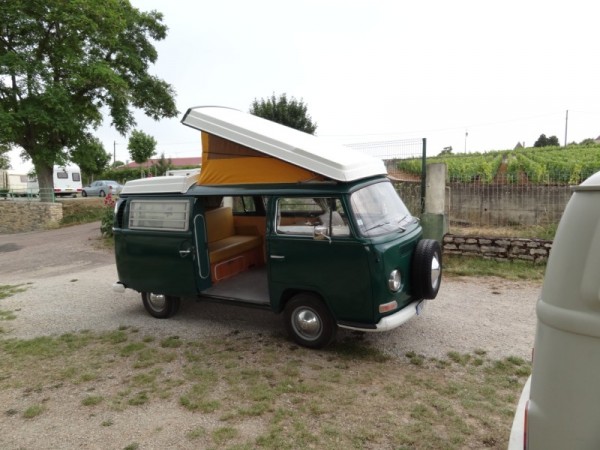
426	269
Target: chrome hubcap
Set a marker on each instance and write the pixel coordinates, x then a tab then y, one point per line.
157	301
436	271
306	323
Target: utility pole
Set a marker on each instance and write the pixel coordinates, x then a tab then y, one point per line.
566	124
114	153
466	135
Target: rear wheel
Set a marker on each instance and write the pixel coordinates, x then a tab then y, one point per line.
426	269
159	305
102	194
308	321
83	194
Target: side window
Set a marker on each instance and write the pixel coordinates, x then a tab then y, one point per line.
300	216
172	215
62	175
76	176
243	205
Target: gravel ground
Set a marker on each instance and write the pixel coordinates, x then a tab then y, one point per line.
70	290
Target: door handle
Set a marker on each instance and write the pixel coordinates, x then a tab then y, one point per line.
277	257
184	253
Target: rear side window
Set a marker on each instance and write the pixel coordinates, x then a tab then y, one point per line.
76	176
62	175
167	215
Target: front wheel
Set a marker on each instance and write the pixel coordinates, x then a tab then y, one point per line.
159	305
308	321
83	194
426	269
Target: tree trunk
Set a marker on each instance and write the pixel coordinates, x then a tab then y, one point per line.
45	181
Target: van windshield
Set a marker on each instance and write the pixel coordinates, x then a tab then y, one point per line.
378	209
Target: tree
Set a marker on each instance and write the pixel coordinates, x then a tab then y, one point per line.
589	142
162	165
4	161
544	141
292	112
91	157
63	63
141	146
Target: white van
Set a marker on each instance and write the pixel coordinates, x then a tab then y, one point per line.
560	404
67	180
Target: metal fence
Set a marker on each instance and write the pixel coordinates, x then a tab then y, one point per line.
410	187
505	202
27	194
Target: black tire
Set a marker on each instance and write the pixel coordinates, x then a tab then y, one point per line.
160	306
426	269
308	321
83	194
102	194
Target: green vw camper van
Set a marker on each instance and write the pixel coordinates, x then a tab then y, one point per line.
276	219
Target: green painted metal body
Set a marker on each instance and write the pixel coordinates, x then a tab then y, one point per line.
350	273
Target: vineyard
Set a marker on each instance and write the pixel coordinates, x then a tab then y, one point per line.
549	165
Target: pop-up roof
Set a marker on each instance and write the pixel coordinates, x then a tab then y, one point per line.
242	148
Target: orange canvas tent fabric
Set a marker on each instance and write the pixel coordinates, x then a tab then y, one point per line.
226	162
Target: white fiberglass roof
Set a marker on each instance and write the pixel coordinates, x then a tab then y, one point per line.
287	144
157	185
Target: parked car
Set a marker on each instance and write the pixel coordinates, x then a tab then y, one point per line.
100	188
560	404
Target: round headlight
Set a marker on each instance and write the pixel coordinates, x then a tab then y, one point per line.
394	281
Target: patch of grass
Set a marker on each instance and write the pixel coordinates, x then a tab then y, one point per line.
236	384
171	342
196	433
33	411
224	434
7	315
456	265
92	400
546	232
132	446
7	290
85	210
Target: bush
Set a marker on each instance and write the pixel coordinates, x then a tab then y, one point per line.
108	216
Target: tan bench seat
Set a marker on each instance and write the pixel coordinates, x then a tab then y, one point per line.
229	253
231	246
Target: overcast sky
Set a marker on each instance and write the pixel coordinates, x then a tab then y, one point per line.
503	72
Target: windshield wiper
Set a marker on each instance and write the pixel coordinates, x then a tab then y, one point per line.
377	226
401	220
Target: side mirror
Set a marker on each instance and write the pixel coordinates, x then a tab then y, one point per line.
320	233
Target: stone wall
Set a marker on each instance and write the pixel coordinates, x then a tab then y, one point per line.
535	250
19	216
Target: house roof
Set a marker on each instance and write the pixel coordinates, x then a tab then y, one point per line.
175	162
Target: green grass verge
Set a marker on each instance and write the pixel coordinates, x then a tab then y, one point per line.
465	266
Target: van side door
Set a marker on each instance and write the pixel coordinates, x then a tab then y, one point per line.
155	248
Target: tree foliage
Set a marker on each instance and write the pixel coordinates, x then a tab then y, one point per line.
544	141
4	161
141	146
162	165
91	157
290	112
63	62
